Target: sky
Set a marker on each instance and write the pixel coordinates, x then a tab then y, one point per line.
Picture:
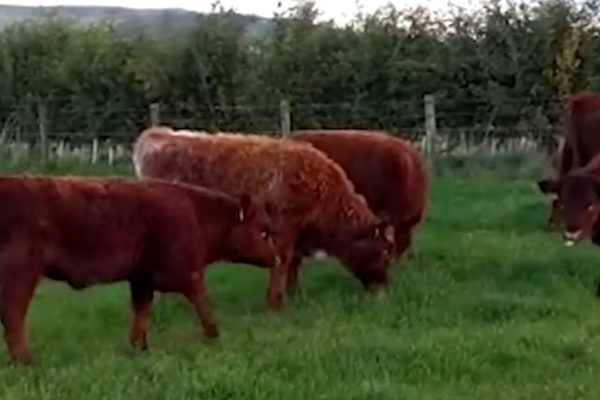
340	10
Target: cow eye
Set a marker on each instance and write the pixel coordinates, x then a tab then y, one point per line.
591	207
264	234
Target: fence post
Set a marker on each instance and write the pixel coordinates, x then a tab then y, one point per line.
430	128
154	114
464	145
95	149
111	154
286	123
42	121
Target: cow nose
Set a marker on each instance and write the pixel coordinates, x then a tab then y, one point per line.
571	237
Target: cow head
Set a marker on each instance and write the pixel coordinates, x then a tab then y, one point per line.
368	255
251	238
578	198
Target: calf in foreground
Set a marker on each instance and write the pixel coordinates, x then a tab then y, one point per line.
155	235
314	204
387	170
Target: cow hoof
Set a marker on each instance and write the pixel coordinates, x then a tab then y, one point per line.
138	343
376	288
22	359
211	331
276	303
291	291
140	346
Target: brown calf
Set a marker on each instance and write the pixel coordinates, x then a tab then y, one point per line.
314	204
155	235
388	171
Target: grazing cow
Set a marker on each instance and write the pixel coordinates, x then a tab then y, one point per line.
388	171
582	139
578	193
314	204
578	198
155	235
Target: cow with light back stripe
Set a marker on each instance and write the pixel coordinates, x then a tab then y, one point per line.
314	204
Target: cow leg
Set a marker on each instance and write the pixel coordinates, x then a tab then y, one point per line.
292	275
16	290
199	298
141	301
277	282
278	275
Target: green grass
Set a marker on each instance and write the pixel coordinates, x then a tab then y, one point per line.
493	307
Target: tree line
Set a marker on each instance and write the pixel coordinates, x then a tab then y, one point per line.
495	69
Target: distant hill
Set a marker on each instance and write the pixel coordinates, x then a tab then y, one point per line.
131	20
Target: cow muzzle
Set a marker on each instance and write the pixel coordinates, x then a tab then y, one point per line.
571	237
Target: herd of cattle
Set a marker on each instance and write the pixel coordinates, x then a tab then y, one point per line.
199	198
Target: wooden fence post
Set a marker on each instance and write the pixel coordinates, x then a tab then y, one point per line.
286	120
42	121
95	149
111	154
430	128
154	114
464	145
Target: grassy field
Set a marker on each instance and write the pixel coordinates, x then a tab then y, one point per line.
493	307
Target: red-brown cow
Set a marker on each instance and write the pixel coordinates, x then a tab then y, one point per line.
314	204
578	193
582	138
155	235
388	171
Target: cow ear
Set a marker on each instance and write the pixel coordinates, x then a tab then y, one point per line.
245	202
549	187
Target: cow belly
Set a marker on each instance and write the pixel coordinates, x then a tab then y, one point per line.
82	272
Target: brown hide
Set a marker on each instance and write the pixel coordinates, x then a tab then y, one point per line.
155	235
583	131
314	204
388	171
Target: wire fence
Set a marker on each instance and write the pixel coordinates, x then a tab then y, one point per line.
438	125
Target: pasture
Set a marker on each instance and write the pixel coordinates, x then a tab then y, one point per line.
492	307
